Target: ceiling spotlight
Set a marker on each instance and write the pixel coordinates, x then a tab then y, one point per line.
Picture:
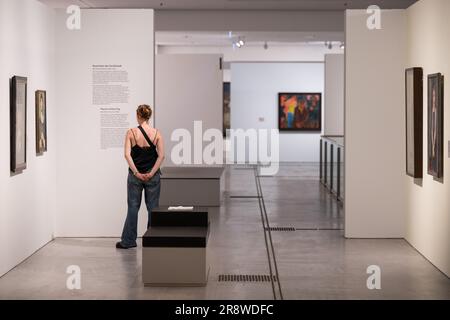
239	43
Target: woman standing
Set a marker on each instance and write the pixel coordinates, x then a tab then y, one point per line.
144	152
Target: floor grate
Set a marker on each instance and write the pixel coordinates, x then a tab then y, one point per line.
245	197
246	278
281	228
319	229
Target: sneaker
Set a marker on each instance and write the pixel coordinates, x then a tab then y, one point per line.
119	245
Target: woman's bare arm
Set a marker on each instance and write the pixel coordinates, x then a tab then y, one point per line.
160	148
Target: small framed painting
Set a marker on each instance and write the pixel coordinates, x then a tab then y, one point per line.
414	122
41	121
226	107
18	124
300	111
435	125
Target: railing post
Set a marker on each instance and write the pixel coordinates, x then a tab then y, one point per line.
325	164
331	166
321	161
338	173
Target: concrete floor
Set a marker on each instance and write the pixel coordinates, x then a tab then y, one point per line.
312	264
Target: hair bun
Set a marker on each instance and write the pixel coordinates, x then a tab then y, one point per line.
144	112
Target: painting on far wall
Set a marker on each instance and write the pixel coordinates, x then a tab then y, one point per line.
18	123
300	111
226	107
41	121
414	122
435	125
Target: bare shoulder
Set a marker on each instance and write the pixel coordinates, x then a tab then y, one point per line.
158	134
132	134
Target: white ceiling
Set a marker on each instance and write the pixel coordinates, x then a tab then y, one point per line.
192	38
234	4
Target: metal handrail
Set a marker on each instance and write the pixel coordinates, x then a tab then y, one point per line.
329	149
332	138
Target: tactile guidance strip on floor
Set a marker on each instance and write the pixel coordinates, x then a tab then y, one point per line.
246	278
281	229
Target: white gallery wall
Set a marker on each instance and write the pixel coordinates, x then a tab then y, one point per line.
92	198
188	88
375	126
427	200
334	95
254	102
27	204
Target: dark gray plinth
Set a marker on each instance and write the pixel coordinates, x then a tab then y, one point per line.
163	217
175	237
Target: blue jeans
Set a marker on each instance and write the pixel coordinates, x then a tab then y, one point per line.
151	190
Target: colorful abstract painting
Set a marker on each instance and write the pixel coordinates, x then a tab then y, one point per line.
300	111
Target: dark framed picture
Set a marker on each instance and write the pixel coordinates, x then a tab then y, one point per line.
18	125
226	107
435	125
414	122
41	121
300	111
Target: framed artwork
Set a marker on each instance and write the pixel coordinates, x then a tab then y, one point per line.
414	122
226	107
300	111
41	121
18	125
435	125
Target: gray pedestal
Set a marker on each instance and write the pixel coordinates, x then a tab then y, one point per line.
191	186
166	267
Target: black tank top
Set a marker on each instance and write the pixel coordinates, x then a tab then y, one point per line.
144	158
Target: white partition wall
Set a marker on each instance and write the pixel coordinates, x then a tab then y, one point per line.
428	207
27	203
254	102
334	95
188	88
375	126
105	70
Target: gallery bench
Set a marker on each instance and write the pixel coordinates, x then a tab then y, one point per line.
174	248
